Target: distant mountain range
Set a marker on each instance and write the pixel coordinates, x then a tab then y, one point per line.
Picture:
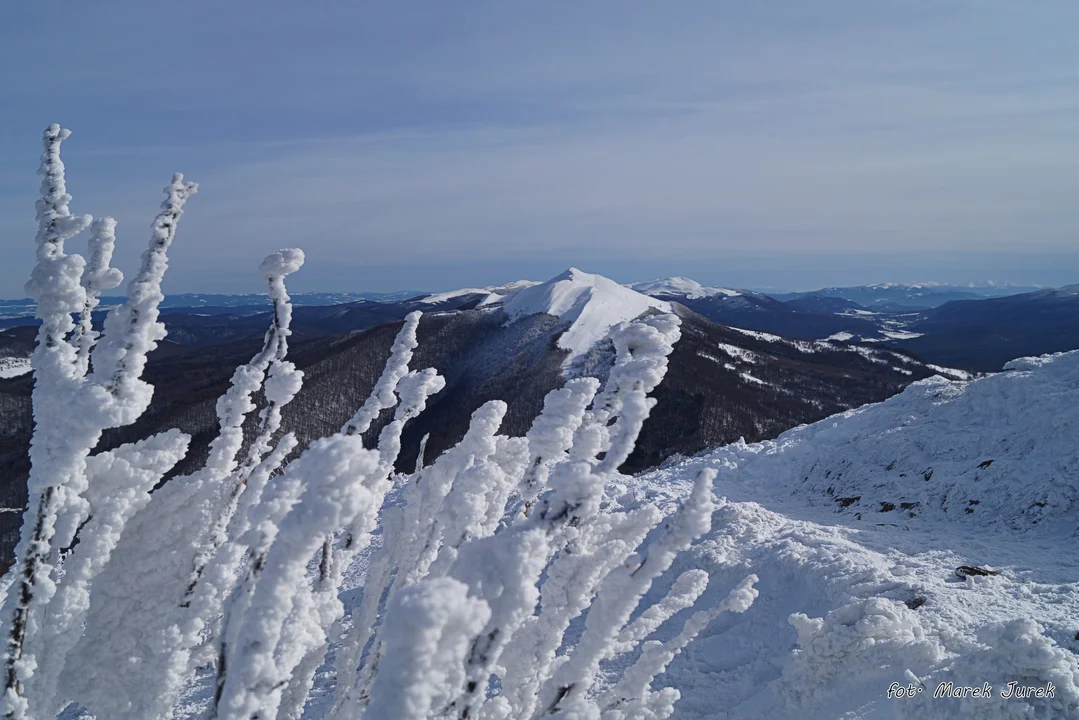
899	297
978	332
977	328
514	343
748	365
682	287
887	296
22	309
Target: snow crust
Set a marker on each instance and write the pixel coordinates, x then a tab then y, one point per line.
591	304
681	287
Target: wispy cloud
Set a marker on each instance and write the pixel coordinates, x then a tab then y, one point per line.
519	136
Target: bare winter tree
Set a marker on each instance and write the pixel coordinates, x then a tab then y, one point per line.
474	566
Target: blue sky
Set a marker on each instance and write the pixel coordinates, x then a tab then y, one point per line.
431	145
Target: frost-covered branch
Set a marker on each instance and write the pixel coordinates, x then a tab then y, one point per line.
54	285
414	390
119	485
428	627
631	697
278	632
279	387
551	434
642	348
55	281
190	583
620	593
132	330
382	396
96	278
71	411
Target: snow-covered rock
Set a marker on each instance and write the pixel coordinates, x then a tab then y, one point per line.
591	304
681	287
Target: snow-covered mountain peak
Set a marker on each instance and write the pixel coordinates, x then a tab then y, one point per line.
570	274
906	286
681	287
592	304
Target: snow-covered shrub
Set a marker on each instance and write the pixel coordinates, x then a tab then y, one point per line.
232	574
862	637
1016	652
72	407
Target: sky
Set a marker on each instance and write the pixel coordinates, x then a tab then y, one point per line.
434	145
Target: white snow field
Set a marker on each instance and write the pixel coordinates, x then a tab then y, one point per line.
856	525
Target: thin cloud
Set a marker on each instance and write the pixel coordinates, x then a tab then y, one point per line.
510	136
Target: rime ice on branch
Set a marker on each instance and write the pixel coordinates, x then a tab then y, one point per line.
96	278
568	545
70	411
210	509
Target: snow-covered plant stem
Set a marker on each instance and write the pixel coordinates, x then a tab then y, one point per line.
620	594
631	697
457	519
119	485
54	285
211	509
132	330
71	410
281	385
414	389
96	278
277	627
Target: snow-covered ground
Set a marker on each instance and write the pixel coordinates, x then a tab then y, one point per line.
901	334
856	526
494	293
13	366
838	343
